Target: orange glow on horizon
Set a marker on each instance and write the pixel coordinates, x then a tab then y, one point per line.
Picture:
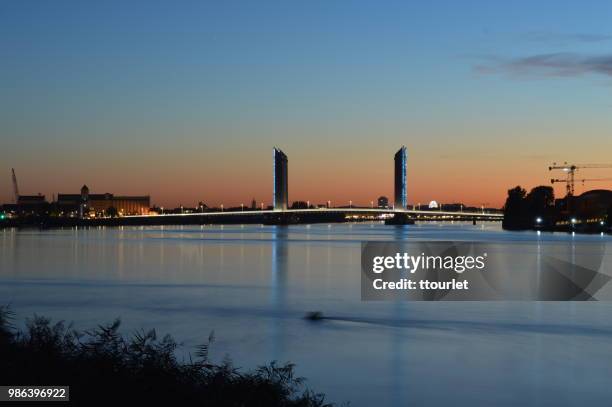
234	178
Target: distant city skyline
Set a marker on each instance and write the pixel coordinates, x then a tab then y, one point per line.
183	102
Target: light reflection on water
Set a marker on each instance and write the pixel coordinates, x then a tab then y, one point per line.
253	285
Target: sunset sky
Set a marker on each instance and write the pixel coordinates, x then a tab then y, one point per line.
185	100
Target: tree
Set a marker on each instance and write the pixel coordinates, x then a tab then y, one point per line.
541	199
514	209
522	210
541	204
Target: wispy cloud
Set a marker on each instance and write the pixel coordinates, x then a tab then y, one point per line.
560	38
563	64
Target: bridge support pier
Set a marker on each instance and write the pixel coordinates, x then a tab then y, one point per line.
280	218
400	218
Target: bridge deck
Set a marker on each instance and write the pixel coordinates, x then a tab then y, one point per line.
347	211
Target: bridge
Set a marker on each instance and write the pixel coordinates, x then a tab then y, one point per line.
398	213
305	216
346	213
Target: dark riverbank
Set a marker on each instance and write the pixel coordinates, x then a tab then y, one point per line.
566	227
589	213
191	219
287	218
102	367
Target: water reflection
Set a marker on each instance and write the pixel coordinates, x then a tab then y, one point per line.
400	232
398	365
280	262
254	284
279	271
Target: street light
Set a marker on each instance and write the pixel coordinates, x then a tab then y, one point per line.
372	204
307	204
242	207
538	220
262	206
350	204
221	207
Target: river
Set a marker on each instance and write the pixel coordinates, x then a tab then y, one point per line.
252	285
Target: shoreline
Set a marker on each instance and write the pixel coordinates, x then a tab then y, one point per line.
204	219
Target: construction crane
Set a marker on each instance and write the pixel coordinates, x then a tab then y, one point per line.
555	180
15	187
571	169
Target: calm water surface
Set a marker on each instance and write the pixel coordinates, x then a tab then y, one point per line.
253	285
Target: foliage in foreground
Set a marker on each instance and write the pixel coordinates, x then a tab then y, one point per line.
102	367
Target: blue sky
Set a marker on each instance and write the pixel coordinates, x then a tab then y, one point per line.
162	97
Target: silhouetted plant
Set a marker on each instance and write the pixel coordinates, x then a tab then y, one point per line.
514	209
521	209
102	367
